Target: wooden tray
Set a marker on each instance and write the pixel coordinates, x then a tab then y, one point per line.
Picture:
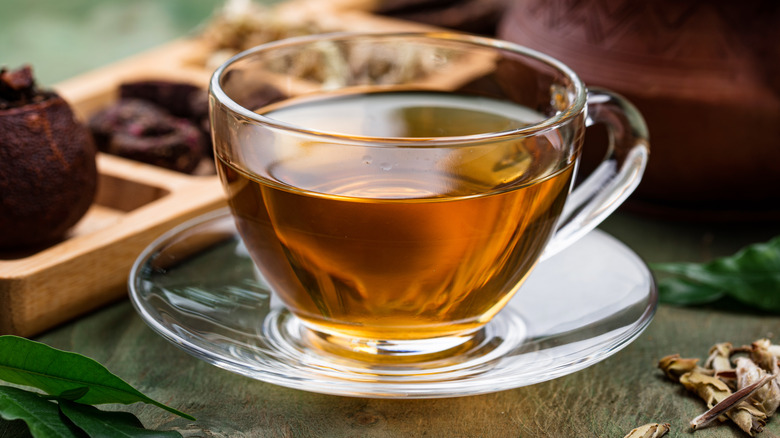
135	202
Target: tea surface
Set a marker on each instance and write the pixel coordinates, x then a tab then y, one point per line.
399	241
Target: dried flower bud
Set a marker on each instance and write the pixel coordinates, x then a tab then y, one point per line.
651	430
766	398
761	354
674	366
774	350
720	357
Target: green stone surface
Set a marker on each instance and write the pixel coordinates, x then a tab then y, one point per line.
64	38
605	400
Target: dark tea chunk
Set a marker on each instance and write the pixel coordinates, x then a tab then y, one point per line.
142	131
179	99
158	122
17	88
48	174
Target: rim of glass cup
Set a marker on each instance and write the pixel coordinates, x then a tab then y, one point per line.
560	118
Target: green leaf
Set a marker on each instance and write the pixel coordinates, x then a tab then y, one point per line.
70	394
685	292
41	415
106	424
56	372
751	276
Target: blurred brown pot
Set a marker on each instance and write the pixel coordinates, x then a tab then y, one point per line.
706	76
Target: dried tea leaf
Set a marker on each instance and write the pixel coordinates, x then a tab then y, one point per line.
767	398
710	389
674	366
651	430
713	391
719	359
747	418
774	350
765	356
734	402
745	390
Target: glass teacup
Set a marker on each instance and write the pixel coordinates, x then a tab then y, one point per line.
395	190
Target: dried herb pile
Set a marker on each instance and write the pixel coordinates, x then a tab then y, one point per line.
241	25
738	384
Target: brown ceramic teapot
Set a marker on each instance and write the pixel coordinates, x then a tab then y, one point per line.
704	73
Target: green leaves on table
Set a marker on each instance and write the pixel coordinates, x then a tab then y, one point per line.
41	415
72	382
57	372
751	276
95	422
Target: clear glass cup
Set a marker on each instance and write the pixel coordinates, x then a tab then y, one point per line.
395	190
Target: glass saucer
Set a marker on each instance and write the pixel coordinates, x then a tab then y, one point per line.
197	287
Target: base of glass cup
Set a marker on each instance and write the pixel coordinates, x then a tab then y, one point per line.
388	350
406	357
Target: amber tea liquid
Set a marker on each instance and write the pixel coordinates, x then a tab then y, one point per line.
399	241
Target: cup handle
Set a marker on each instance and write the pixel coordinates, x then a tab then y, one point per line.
614	179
